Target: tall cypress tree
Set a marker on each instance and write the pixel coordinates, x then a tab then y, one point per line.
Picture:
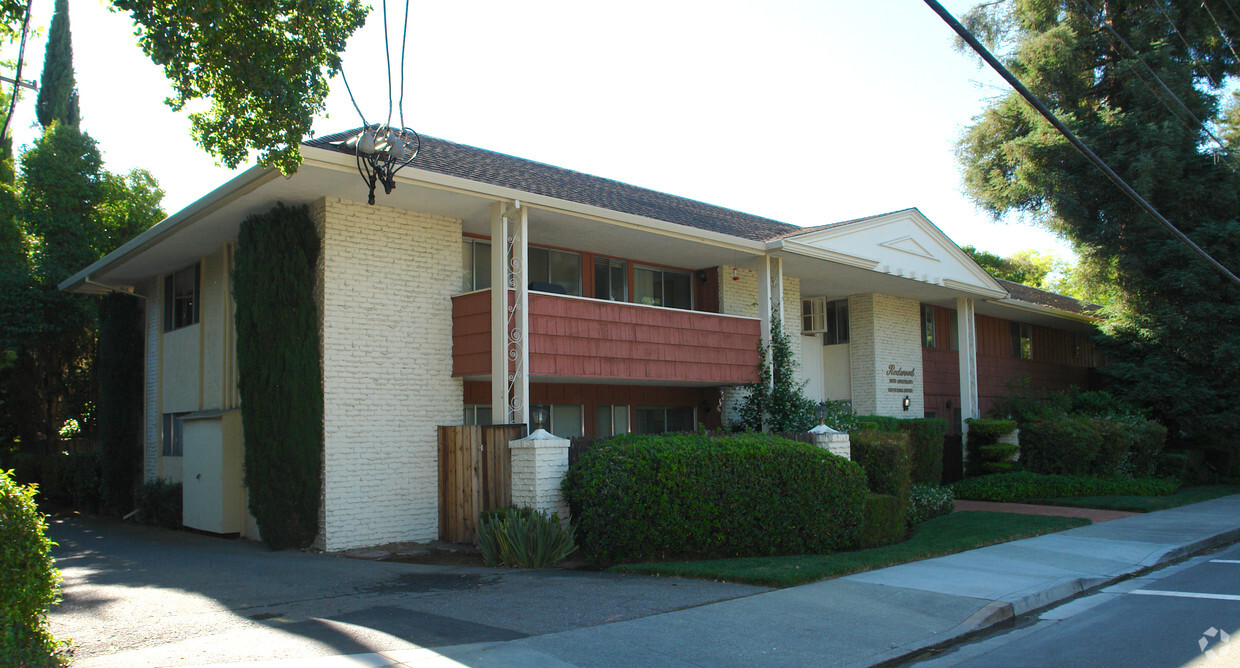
58	96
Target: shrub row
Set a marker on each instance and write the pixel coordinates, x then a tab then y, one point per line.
884	456
649	497
65	480
1092	446
925	442
1024	485
883	522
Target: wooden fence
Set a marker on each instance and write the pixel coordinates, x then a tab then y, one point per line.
475	474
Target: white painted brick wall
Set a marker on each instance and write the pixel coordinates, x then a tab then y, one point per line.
387	280
885	331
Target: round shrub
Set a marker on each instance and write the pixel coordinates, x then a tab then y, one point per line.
651	497
31	581
927	502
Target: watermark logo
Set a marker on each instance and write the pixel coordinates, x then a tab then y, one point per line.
1218	642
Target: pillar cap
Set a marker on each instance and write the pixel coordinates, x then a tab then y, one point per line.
824	429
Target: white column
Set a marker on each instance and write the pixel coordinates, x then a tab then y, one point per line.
499	313
967	329
764	298
519	324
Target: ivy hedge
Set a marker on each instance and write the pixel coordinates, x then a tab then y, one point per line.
279	378
638	498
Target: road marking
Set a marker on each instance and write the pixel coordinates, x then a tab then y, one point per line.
1225	561
1186	594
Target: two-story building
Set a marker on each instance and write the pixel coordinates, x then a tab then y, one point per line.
617	309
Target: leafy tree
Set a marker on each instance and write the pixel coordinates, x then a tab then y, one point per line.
776	401
289	51
58	97
1028	267
1174	342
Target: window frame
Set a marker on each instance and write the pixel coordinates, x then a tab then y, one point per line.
663	296
529	263
176	317
693	417
613	410
929	335
470	274
172	434
1022	340
610	264
837	323
813	314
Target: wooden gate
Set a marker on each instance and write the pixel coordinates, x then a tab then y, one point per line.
475	474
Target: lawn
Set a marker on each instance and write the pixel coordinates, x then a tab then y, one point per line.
1144	504
943	535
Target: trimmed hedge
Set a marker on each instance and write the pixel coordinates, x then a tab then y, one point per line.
884	456
278	373
984	432
652	497
884	521
31	581
1023	485
925	442
927	502
1092	446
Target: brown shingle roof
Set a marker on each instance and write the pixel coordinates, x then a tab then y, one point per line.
475	164
1026	293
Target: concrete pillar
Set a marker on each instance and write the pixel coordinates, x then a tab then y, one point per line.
835	442
885	352
510	355
966	326
539	464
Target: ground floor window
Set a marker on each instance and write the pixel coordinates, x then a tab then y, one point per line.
563	420
478	414
174	434
611	420
661	419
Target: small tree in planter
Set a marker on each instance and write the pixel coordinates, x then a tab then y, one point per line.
776	400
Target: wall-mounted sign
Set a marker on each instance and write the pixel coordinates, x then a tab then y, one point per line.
900	379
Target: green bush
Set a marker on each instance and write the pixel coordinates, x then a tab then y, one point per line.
1066	445
927	502
884	456
119	370
1172	465
880	422
72	480
925	442
651	497
984	432
1023	485
159	503
524	538
31	581
279	378
884	521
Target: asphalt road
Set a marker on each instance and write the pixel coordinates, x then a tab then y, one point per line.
136	595
1183	615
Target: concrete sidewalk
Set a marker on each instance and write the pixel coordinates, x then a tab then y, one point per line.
863	619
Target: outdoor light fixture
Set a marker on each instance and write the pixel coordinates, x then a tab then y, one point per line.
822	412
539	416
736	274
906	403
381	151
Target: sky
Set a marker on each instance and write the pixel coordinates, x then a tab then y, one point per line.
808	112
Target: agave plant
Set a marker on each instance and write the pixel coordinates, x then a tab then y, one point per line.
525	539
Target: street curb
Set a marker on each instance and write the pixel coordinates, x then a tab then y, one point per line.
996	613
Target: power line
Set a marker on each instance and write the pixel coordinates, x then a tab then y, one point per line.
1200	125
1226	39
1072	138
17	76
1187	48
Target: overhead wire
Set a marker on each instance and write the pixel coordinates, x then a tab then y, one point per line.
387	54
1226	39
1200	124
1187	47
17	75
403	40
1080	146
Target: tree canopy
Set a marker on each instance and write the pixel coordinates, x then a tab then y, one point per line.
1174	329
253	73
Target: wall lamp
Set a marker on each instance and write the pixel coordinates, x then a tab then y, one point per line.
906	403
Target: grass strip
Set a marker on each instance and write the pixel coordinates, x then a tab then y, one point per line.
1144	504
948	534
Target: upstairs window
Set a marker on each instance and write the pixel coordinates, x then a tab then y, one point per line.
475	265
554	271
928	339
837	323
181	299
611	279
662	287
1022	341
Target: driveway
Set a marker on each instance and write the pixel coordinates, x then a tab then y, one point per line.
137	595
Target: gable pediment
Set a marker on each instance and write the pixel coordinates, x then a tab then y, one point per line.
903	243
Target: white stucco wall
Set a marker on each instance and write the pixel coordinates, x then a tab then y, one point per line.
885	346
387	280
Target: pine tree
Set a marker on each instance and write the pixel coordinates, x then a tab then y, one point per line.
1174	330
58	96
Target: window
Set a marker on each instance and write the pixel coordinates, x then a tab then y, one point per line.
181	299
927	326
174	435
611	420
475	265
663	419
813	315
554	271
836	323
566	419
611	279
1022	341
953	333
662	287
478	414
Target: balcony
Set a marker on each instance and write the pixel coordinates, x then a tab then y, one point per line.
581	338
